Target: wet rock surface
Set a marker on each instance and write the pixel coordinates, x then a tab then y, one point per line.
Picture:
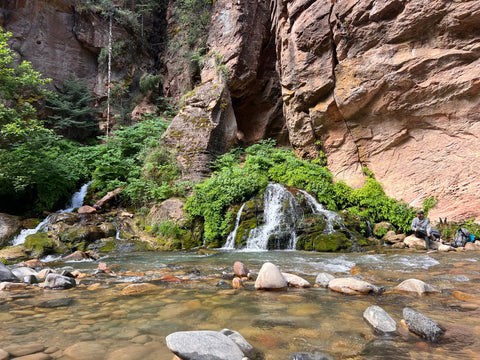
423	325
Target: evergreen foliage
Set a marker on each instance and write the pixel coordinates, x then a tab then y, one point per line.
73	115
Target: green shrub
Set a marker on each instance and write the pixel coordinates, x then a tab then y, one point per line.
234	182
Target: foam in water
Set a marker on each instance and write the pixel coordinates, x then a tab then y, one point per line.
230	243
331	217
281	212
75	202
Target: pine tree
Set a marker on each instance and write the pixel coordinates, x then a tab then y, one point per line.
73	116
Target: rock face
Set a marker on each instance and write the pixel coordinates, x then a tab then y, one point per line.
389	85
9	227
384	93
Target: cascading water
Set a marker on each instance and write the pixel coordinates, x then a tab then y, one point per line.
280	216
331	217
75	202
230	243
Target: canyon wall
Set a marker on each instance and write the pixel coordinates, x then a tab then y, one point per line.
391	86
388	85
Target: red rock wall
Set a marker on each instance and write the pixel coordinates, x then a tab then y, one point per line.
391	85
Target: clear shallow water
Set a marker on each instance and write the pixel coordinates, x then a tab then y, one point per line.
276	323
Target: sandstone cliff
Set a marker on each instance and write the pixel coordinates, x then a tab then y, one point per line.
391	85
388	85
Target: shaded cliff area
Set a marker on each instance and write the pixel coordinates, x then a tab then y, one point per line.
390	86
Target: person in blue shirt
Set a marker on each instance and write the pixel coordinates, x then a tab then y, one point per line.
421	227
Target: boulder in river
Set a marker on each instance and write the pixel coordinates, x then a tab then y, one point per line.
9	226
203	345
270	278
379	319
243	344
296	281
59	282
6	274
323	279
351	286
414	286
422	325
240	269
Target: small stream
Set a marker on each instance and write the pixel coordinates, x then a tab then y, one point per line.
279	324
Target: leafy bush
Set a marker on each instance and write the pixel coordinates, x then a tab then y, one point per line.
39	174
73	115
134	159
428	203
235	181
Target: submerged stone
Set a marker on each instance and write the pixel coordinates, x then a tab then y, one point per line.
422	325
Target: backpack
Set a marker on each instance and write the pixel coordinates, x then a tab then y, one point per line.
436	234
461	237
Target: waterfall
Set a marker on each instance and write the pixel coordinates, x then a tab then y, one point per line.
75	202
331	217
230	243
281	213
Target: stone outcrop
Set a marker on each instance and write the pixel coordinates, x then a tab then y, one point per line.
9	227
388	85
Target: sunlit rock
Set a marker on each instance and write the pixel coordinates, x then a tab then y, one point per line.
240	269
203	345
351	286
296	281
380	320
414	286
86	209
270	278
237	283
323	279
59	282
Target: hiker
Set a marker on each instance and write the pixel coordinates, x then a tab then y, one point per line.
421	227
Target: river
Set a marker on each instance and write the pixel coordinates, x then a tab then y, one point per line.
279	324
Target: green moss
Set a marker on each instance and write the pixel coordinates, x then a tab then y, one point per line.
324	243
244	230
40	244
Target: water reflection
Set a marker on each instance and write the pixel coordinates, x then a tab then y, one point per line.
310	321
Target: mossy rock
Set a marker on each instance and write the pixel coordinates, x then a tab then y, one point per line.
41	244
243	231
82	234
311	224
191	238
381	228
103	245
13	254
324	243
